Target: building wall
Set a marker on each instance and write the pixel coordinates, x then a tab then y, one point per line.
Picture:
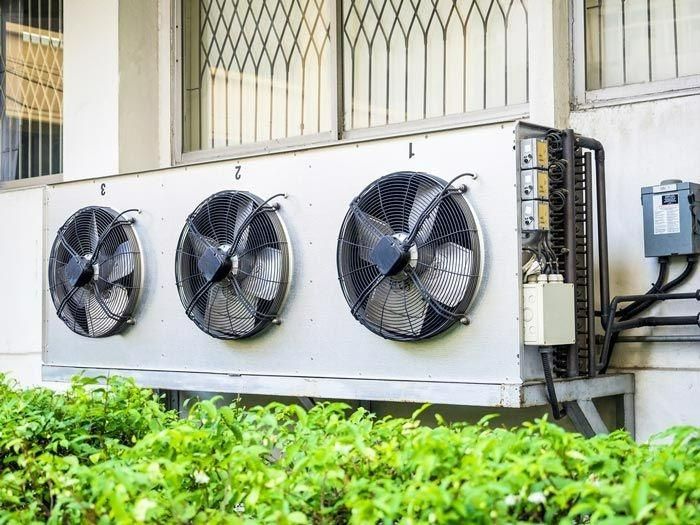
21	283
117	90
646	143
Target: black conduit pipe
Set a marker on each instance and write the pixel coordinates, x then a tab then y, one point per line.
557	411
640	306
631	309
613	327
658	339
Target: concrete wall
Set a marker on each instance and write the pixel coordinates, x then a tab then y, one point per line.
21	283
645	143
112	82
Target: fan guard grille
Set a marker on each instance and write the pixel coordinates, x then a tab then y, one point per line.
232	265
409	256
95	271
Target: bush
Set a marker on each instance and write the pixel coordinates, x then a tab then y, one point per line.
114	454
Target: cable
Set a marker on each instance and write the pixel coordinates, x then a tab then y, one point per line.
636	309
656	287
557	411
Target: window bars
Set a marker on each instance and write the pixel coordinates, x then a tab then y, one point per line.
633	41
411	60
255	70
260	71
31	88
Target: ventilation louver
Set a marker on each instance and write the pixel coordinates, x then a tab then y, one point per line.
232	265
95	271
409	256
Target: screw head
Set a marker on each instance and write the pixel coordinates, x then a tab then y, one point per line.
276	321
465	321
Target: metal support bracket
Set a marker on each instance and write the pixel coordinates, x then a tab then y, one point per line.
307	402
585	417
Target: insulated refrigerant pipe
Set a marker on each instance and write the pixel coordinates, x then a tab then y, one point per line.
603	268
658	339
590	281
569	146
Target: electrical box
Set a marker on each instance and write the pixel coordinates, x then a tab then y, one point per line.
534	153
549	312
534	184
535	215
671	218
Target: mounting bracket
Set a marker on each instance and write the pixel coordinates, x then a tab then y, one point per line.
586	418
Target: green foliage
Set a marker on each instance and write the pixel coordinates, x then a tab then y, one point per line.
112	454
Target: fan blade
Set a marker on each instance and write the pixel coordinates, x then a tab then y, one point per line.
222	303
122	263
241	217
201	243
447	278
397	307
85	310
116	299
263	281
424	196
94	234
79	314
369	231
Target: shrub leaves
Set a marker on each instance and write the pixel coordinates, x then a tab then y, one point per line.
108	452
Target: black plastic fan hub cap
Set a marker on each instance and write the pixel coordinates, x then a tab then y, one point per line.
389	256
214	264
78	271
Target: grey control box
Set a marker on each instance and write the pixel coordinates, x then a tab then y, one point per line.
671	218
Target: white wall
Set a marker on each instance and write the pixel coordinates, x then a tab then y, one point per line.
91	88
111	79
646	143
21	283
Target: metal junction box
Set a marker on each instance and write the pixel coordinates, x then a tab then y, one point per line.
671	219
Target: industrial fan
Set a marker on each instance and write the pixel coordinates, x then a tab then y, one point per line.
409	256
232	265
95	271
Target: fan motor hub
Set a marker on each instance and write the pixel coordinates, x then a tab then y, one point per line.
79	271
214	264
390	256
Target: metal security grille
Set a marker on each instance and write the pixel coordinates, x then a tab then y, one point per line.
259	71
410	59
255	71
632	41
31	88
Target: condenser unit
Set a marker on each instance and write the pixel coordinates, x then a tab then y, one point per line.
391	269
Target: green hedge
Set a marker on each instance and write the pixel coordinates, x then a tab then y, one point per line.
104	455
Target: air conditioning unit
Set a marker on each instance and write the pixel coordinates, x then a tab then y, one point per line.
392	269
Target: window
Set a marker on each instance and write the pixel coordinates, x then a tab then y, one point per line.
255	70
634	41
407	60
31	88
259	71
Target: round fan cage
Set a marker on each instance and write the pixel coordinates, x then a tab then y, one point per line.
409	256
232	265
95	272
